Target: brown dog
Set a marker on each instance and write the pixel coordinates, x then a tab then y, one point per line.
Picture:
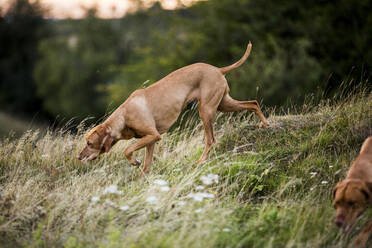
354	194
150	112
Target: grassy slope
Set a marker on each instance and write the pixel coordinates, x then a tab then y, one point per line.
267	195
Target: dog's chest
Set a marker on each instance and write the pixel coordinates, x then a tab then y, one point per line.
129	133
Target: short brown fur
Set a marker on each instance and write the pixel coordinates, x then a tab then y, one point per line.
150	112
354	194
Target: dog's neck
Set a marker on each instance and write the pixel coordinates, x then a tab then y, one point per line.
360	170
362	166
114	126
355	173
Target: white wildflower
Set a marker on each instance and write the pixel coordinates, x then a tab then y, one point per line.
199	196
165	188
207	180
110	203
313	173
45	156
312	188
226	230
200	187
99	170
161	182
181	203
208	195
124	208
112	189
331	166
196	197
198	210
95	199
152	199
324	182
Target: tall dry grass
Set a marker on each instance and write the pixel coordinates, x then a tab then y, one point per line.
273	190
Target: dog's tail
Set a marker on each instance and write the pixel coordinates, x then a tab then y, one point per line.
226	69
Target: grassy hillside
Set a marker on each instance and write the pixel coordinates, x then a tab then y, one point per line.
268	187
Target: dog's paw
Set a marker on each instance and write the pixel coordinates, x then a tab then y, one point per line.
144	171
135	162
200	161
263	125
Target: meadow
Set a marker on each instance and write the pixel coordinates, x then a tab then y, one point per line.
260	187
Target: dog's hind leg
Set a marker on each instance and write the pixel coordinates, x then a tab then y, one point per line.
207	119
207	110
228	104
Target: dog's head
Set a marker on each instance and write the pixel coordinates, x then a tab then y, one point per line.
350	199
98	141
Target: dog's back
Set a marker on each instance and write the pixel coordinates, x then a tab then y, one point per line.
362	166
367	147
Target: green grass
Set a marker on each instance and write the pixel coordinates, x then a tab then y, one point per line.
274	187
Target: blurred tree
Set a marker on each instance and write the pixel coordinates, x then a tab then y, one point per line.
217	32
21	28
341	35
297	45
74	64
90	64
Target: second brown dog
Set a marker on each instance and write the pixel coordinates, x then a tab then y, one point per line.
354	194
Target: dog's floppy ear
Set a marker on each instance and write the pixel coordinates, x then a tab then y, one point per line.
91	132
334	191
335	188
367	191
108	142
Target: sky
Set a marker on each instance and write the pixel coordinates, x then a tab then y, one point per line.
106	8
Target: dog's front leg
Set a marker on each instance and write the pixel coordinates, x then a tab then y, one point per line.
144	141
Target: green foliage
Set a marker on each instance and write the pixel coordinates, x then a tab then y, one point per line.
294	51
37	237
72	242
74	65
21	28
88	67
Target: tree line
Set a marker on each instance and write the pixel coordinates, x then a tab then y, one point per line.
87	67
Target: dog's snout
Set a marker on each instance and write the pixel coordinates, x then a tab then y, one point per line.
339	221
